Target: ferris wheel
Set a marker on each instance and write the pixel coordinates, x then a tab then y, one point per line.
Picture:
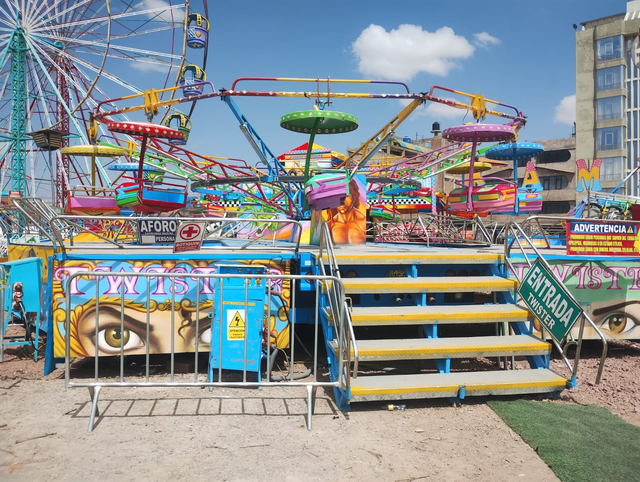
59	59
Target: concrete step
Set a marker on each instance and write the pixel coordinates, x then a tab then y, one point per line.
458	347
442	385
437	315
453	284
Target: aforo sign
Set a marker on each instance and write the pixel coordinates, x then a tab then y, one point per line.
156	231
602	239
188	237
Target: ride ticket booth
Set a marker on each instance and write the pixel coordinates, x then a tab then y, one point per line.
238	321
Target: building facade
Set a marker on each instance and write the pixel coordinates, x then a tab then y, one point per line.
608	97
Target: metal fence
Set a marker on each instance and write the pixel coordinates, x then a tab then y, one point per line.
267	350
432	230
31	217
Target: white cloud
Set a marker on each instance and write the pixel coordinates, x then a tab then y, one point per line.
149	66
408	50
484	40
566	110
163	11
444	111
435	110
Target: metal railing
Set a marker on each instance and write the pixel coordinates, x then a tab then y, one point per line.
514	233
31	216
432	230
267	281
122	231
340	314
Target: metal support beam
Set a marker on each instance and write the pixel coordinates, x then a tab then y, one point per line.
18	113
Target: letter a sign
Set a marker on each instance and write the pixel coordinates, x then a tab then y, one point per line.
549	301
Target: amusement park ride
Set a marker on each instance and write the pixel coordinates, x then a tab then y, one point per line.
50	85
138	174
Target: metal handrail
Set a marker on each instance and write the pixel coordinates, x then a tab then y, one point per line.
70	220
513	227
339	308
31	209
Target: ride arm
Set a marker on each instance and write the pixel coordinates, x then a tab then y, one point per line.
274	166
366	151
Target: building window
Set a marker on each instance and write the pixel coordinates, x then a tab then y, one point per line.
555	207
609	138
611	169
554	183
609	48
609	108
609	78
550	157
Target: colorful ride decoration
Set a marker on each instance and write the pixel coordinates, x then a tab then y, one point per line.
142	195
380	212
180	122
519	151
321	158
488	195
322	190
347	222
528	199
148	172
598	204
497	196
588	179
476	133
329	190
192	79
92	200
197	31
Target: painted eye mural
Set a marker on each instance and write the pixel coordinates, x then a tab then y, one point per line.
618	320
129	314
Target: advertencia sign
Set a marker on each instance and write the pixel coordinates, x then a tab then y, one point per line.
602	239
549	301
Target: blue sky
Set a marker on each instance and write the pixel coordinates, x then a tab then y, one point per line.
518	53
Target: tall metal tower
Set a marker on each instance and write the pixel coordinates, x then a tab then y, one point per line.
18	48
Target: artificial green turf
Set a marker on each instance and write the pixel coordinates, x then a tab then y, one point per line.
581	443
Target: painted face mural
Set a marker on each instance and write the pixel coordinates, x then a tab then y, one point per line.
348	222
179	313
609	292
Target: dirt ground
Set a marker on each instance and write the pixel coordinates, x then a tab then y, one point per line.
249	434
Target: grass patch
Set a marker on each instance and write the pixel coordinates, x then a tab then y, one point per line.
581	443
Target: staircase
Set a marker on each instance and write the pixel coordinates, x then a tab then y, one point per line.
435	323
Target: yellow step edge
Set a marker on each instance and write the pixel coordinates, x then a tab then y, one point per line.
521	348
550	382
399	257
515	315
383	285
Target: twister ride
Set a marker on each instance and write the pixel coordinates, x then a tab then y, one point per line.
226	256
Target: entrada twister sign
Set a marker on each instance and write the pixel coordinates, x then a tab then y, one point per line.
549	301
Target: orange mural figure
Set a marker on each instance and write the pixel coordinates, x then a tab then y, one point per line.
347	222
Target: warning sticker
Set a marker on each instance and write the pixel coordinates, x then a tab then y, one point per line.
235	324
